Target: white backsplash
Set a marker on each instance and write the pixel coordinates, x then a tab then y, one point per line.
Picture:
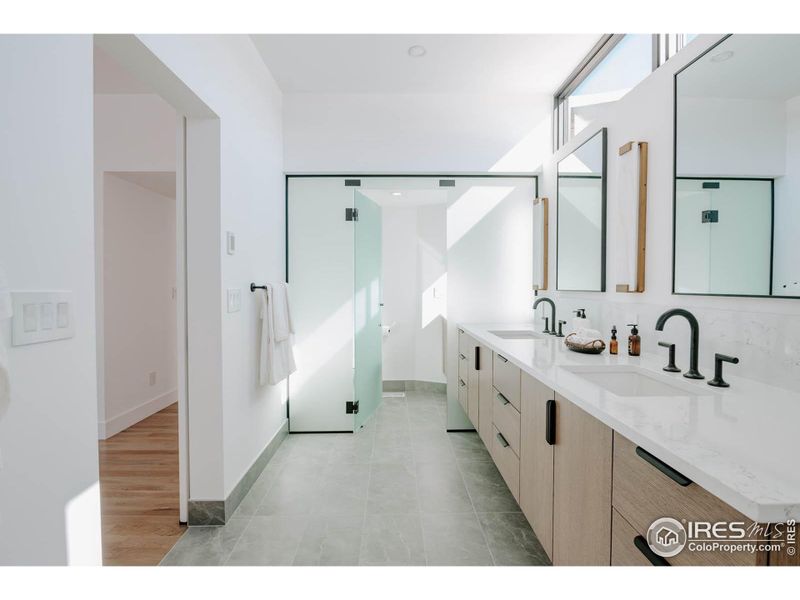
767	344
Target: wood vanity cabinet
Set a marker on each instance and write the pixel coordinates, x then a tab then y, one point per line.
646	489
583	455
485	395
537	402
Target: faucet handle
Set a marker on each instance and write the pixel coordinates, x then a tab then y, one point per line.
670	368
546	325
580	313
718	381
560	325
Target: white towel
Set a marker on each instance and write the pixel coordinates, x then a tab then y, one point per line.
276	360
627	234
5	377
279	303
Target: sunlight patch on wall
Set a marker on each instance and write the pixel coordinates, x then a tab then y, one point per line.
82	523
470	208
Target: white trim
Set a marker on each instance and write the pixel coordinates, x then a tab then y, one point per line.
106	429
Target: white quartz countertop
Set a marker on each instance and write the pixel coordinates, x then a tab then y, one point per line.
740	443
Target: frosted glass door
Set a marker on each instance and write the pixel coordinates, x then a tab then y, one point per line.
367	307
320	264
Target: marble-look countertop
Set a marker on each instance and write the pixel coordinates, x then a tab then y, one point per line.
739	443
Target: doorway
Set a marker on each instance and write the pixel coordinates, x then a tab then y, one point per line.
137	139
376	299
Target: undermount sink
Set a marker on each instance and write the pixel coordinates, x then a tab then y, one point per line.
628	380
519	334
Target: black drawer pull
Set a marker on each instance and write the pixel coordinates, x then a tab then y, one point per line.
503	358
461	382
477	358
502	440
643	547
462	357
550	422
460	330
503	399
659	464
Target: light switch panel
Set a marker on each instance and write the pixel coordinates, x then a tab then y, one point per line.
41	316
234	300
231	242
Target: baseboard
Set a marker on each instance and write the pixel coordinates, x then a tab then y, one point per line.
247	480
111	427
400	385
217	512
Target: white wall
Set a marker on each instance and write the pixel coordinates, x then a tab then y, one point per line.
49	497
424	133
764	333
228	75
132	133
140	312
414	263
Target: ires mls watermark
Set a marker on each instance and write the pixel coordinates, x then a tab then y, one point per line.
668	537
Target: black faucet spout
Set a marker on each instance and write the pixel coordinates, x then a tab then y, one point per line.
693	372
552	330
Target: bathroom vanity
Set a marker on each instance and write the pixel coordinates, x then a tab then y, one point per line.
597	447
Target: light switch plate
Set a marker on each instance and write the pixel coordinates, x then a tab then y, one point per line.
42	316
234	300
231	242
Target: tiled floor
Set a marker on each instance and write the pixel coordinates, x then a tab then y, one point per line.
402	491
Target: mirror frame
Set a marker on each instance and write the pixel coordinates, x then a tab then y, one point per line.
675	189
603	132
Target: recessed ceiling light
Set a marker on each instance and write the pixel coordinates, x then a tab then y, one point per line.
397	194
417	51
722	56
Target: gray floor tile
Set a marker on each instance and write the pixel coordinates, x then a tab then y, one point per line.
454	539
468	446
441	489
269	541
250	503
511	539
392	489
295	490
488	491
343	490
206	546
432	445
331	540
392	540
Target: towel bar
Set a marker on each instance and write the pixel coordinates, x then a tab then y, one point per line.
254	287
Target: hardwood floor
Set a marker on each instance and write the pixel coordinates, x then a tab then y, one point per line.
139	491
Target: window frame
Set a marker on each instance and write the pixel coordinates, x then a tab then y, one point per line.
661	53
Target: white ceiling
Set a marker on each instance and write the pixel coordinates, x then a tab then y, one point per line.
762	67
111	78
526	64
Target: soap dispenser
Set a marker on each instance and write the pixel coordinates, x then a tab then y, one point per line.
634	341
613	346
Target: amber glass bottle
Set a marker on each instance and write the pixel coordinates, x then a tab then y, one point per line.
613	346
634	341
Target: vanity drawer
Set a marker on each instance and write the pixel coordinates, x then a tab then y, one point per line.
463	394
643	493
507	379
624	552
507	462
506	419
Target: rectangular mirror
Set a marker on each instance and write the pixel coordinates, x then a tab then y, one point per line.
737	169
581	218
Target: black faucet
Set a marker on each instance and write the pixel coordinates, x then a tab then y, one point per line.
692	373
552	314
